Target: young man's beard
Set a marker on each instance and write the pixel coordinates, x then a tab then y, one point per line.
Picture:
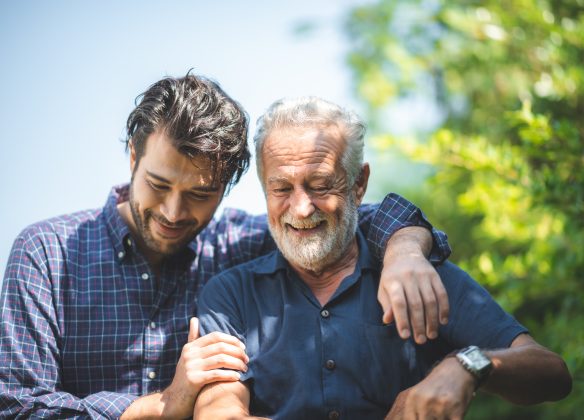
143	226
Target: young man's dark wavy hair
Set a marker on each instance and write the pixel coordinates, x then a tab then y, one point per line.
201	120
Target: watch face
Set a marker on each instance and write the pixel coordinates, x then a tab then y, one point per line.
477	360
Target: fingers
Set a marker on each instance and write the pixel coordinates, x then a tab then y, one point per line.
222	348
219	337
413	295
442	297
217	361
415	310
399	306
430	309
217	375
384	301
193	329
388	317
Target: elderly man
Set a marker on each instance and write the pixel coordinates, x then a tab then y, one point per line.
316	345
96	304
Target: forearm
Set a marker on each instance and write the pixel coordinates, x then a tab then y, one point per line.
222	401
528	373
409	241
23	404
150	406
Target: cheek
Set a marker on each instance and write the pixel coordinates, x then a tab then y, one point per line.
145	198
276	207
204	211
330	204
143	195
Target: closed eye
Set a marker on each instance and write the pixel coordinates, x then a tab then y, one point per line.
157	187
198	197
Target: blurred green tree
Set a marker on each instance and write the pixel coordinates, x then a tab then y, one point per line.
502	132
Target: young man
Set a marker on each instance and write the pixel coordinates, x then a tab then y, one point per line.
96	304
316	344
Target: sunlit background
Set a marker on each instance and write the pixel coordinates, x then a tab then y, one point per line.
71	70
474	112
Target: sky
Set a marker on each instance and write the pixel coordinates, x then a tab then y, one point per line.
71	70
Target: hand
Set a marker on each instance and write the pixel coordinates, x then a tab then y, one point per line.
213	358
444	394
410	290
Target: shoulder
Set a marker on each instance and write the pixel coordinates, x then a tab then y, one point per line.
58	230
241	278
461	287
62	225
232	218
248	270
475	317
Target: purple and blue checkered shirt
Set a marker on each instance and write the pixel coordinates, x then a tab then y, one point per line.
86	325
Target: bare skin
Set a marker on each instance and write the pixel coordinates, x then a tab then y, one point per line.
525	373
174	197
213	358
420	304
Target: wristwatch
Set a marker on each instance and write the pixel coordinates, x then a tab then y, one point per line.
476	362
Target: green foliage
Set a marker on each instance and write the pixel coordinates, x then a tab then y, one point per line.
508	152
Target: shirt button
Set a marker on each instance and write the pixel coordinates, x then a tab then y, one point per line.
330	364
334	415
152	375
152	325
324	313
121	254
145	276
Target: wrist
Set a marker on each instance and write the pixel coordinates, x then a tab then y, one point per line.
475	362
451	365
146	407
413	240
175	404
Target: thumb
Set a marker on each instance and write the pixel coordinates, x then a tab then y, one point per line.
193	329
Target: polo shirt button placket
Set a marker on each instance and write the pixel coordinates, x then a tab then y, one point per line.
334	415
330	364
325	313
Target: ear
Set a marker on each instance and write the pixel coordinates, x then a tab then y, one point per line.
132	156
360	186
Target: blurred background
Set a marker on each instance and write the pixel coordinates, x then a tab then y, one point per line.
475	112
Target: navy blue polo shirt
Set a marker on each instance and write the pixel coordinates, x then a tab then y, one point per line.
338	360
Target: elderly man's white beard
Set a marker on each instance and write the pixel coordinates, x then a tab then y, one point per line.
321	249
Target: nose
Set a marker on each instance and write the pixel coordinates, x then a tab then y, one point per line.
172	208
301	205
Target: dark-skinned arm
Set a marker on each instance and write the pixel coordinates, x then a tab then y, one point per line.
526	373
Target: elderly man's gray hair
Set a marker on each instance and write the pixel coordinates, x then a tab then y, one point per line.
313	111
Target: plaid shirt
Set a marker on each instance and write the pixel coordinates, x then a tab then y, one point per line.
87	327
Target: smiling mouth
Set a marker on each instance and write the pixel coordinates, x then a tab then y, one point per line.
306	227
170	232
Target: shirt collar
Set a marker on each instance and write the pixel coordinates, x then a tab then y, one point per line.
276	261
118	230
120	233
